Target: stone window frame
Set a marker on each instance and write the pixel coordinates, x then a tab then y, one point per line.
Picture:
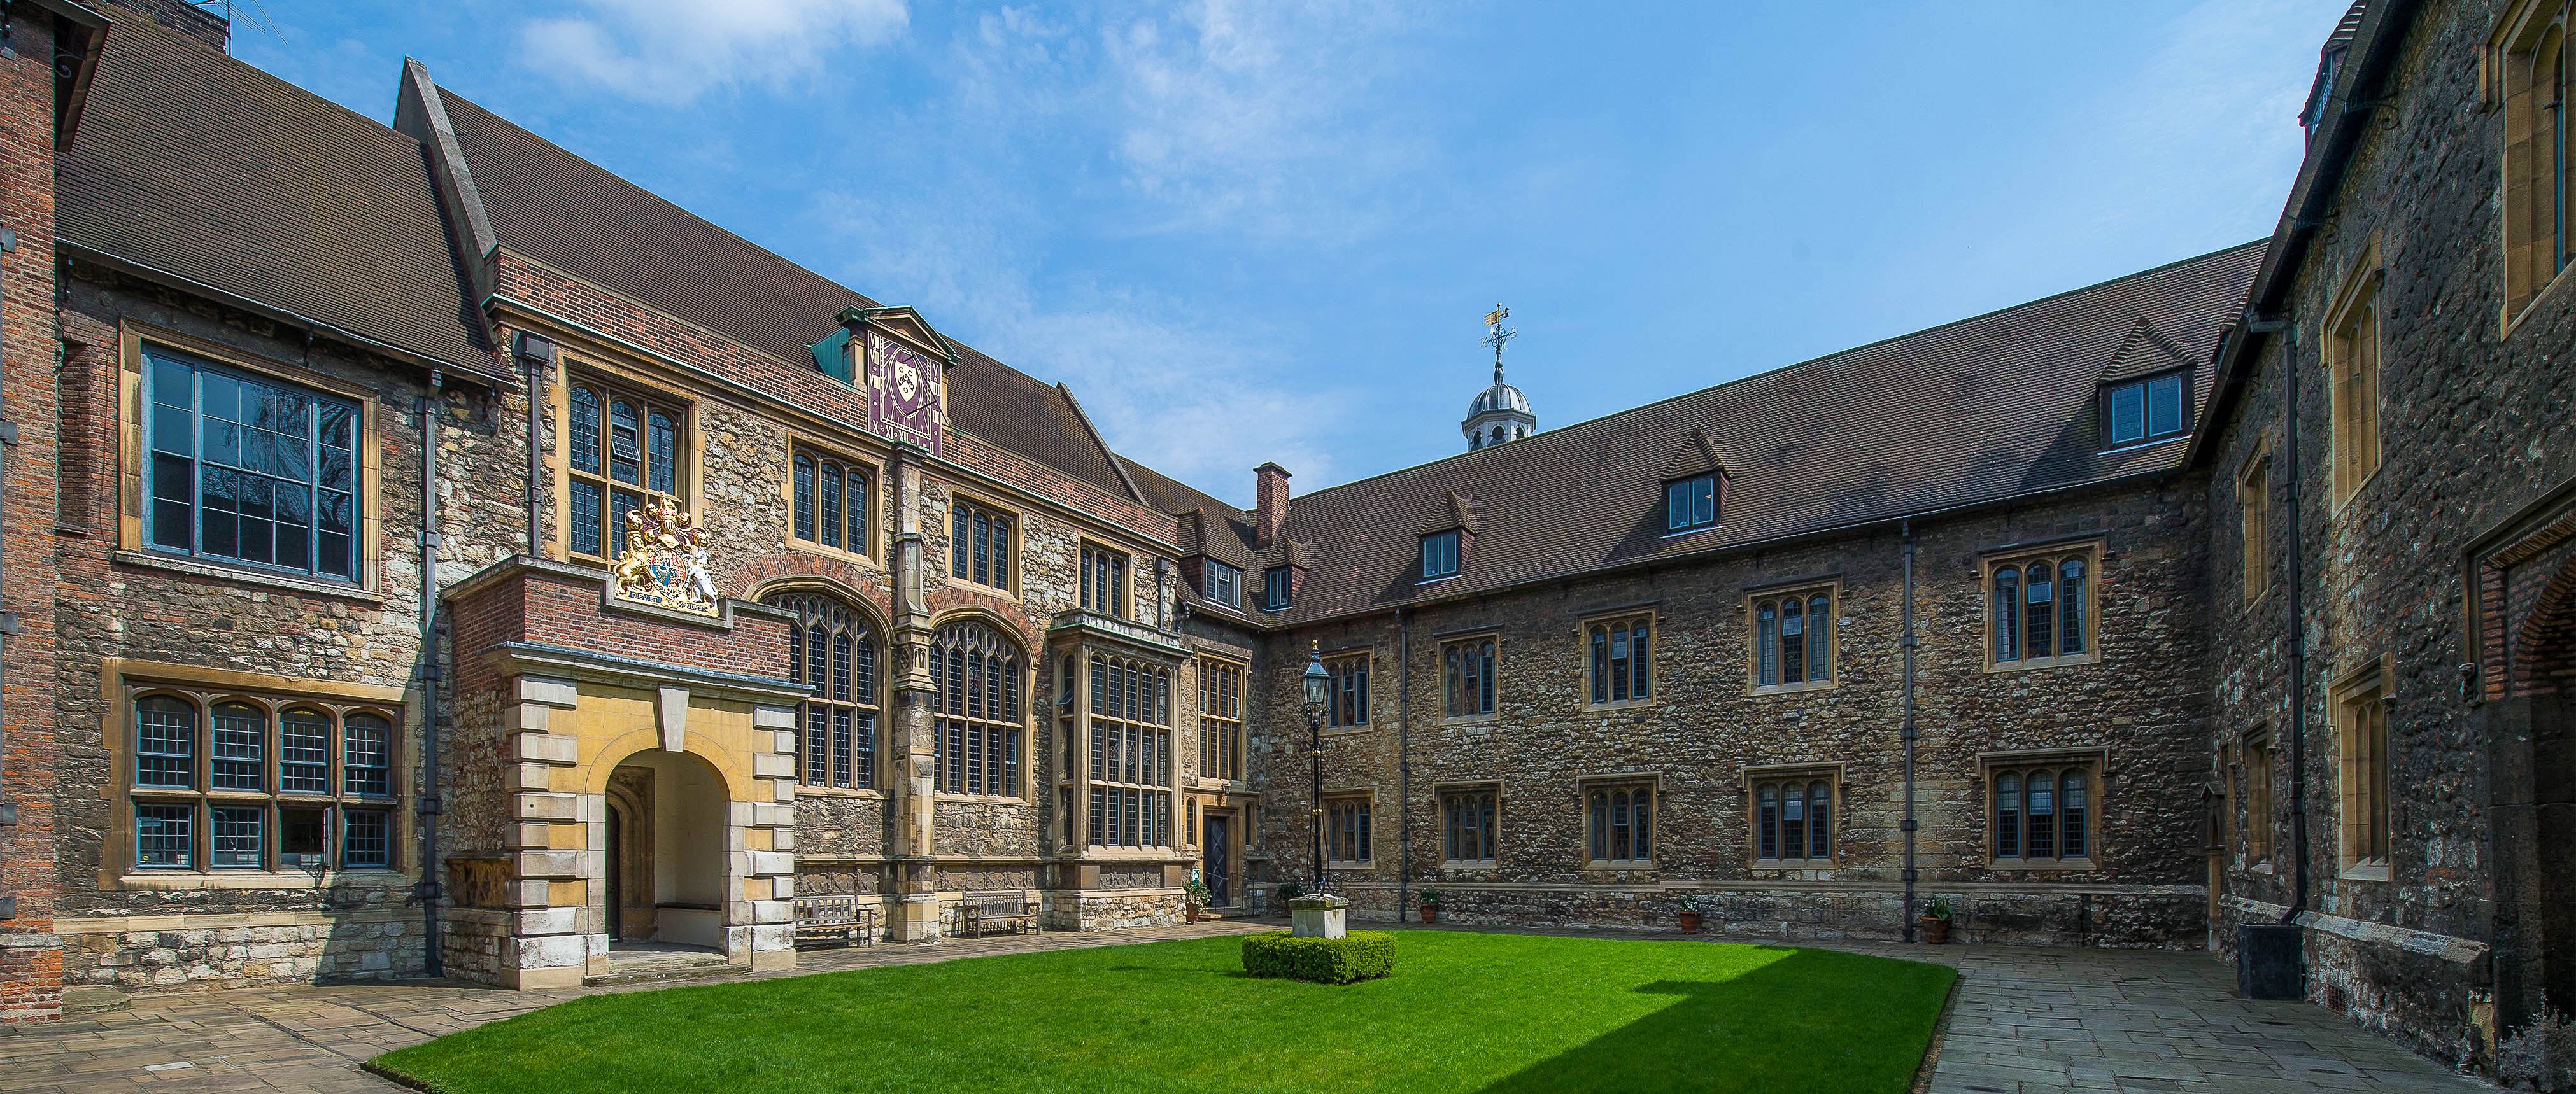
1593	661
579	370
127	682
801	449
1131	701
839	616
367	510
2355	341
1608	787
1805	593
1489	695
2090	550
1338	805
2256	772
1012	554
1346	703
1009	764
2091	760
2537	175
1803	775
1221	730
1103	584
2365	806
2254	521
1441	793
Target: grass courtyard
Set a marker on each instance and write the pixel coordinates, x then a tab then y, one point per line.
1463	1012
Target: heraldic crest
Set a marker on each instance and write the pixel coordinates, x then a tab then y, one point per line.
665	564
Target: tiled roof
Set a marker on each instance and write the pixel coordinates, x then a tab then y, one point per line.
1227	531
577	217
1977	410
196	165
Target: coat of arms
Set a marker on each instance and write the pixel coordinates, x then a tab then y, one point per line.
665	563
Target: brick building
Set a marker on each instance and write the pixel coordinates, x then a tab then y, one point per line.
458	559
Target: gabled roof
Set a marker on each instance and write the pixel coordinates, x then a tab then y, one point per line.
199	171
1695	456
2144	353
1453	511
1980	410
576	217
1226	532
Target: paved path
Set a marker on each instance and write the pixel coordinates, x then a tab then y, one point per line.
2027	1021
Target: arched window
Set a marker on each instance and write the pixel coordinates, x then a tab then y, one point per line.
833	651
833	501
304	752
2043	815
977	731
1793	821
1623	824
266	783
1130	754
2042	609
240	753
1622	664
1793	639
165	742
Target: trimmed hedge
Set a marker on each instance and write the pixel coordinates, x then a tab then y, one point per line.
1359	955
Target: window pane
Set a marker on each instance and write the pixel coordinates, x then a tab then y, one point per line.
860	510
805	498
625	443
621	503
1793	641
165	836
2164	405
1820	829
304	753
1820	640
2041	836
831	521
2039	590
662	453
165	745
2071	595
1001	552
585	518
368	751
366	838
1767	821
2072	808
2008	816
1642	666
958	545
2128	413
1766	644
241	739
238	842
2006	620
585	430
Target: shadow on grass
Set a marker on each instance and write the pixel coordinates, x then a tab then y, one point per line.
1812	1020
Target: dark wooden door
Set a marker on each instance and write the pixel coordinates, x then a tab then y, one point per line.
1218	872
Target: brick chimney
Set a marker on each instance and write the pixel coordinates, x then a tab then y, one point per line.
1269	504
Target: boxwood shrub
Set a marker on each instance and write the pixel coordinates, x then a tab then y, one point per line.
1359	955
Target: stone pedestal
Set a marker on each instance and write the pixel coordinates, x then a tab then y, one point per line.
1322	915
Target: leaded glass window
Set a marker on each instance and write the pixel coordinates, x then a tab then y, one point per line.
1104	580
832	650
1220	719
1793	639
1793	821
619	467
1621	668
236	782
1346	829
250	469
979	545
1347	696
977	731
834	501
1468	825
1622	824
1467	677
2041	608
2042	815
1130	753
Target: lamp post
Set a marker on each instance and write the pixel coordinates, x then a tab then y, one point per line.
1318	685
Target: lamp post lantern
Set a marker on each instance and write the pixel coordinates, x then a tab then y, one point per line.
1318	685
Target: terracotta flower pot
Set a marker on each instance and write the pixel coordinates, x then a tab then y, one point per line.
1936	930
1431	913
1689	921
1194	913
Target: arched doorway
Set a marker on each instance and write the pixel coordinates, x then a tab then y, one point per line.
2544	672
667	824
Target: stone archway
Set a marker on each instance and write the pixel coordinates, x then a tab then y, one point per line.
2544	680
672	810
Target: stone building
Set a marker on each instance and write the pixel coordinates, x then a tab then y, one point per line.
476	563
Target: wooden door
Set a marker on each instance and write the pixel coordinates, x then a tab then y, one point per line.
1217	872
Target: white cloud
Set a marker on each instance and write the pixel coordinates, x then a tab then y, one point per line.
671	51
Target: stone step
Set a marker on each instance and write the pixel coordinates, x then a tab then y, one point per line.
646	966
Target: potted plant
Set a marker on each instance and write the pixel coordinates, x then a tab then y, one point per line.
1936	921
1688	914
1197	894
1431	905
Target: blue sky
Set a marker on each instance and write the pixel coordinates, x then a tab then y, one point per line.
1253	231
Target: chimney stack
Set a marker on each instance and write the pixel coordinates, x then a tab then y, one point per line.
1269	504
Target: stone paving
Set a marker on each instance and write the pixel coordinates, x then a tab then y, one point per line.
2026	1021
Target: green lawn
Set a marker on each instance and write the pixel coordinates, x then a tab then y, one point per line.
1463	1012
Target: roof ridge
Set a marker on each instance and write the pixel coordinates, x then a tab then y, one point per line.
1552	434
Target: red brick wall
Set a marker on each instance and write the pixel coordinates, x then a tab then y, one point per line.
31	963
543	606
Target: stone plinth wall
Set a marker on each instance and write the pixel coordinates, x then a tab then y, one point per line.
1118	910
473	939
205	952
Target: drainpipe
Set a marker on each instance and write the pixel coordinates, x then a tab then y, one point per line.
537	355
2298	634
1404	757
8	619
427	892
1906	645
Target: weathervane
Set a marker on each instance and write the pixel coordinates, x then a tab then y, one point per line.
1496	334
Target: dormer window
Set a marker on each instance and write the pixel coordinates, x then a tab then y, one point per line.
1440	555
1224	584
1690	503
1274	588
2146	410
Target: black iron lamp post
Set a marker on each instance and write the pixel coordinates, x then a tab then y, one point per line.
1318	685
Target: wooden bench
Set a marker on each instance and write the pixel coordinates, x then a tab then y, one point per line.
1009	912
835	920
